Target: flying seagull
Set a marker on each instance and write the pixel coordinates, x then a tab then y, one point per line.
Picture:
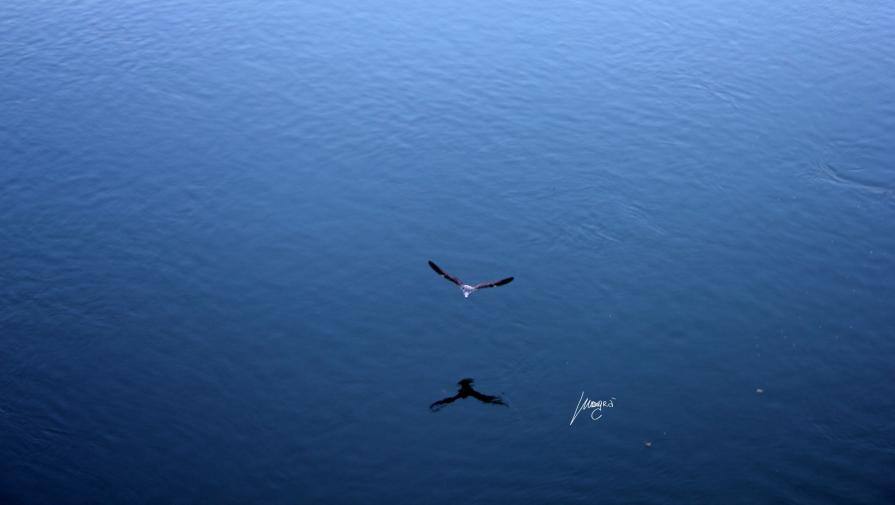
466	288
466	391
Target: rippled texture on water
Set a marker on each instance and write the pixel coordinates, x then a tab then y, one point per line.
215	219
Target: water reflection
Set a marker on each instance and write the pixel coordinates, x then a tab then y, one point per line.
466	391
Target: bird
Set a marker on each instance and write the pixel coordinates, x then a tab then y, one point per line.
466	391
466	288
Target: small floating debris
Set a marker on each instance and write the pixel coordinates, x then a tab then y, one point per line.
759	391
647	443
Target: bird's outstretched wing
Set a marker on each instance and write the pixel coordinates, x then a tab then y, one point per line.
444	274
494	284
444	401
487	398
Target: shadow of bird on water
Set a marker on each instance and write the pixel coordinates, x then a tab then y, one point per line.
465	392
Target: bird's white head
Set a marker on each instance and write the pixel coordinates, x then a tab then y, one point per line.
467	290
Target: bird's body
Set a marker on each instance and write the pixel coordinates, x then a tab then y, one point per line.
468	289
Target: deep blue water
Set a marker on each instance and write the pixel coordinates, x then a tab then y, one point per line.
215	218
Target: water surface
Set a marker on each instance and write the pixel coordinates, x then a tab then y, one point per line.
215	219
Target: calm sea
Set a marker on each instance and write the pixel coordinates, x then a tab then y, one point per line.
215	218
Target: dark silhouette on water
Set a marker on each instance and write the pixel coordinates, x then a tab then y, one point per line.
465	392
466	288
